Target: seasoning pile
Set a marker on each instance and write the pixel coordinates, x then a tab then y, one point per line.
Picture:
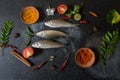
84	57
29	15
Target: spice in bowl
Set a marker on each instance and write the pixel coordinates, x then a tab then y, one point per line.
85	57
29	15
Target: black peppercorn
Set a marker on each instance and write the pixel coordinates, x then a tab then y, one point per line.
16	35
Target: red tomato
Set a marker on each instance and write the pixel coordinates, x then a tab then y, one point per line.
27	52
62	8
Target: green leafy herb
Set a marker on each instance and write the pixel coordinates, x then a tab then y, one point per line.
113	17
27	42
76	10
29	35
29	31
5	32
108	45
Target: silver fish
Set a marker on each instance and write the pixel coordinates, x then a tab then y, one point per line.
45	44
51	34
59	23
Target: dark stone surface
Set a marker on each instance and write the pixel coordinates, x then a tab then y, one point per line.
12	69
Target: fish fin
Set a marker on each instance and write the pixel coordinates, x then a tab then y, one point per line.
73	47
71	44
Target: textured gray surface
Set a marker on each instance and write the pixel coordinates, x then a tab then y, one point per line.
12	69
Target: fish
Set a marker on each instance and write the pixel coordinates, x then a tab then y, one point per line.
49	34
57	23
46	44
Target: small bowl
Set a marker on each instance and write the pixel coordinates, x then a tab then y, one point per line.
79	59
29	15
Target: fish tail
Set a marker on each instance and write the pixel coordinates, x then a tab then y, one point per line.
76	26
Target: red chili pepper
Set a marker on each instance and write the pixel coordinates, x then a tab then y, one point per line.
64	64
39	66
65	17
93	13
84	22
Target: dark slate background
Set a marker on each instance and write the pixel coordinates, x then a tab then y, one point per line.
12	69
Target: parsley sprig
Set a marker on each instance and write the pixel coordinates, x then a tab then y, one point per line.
75	10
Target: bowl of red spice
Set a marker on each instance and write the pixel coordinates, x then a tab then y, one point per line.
85	57
29	15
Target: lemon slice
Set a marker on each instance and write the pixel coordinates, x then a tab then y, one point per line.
77	17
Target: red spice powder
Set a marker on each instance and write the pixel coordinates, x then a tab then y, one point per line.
84	56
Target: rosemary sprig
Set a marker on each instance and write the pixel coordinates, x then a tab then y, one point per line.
27	42
29	34
5	32
108	45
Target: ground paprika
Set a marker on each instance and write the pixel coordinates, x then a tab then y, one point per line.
85	57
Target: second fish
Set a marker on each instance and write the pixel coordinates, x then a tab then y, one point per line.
49	34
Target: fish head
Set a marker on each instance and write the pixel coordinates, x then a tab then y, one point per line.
40	34
36	45
49	23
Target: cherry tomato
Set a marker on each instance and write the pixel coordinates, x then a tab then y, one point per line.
62	8
27	52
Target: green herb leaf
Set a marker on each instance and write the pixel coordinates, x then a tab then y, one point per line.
113	17
75	10
27	43
109	34
108	45
5	32
29	31
29	34
106	37
76	7
102	47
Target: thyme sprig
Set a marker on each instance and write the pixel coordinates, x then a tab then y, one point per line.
108	45
5	32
